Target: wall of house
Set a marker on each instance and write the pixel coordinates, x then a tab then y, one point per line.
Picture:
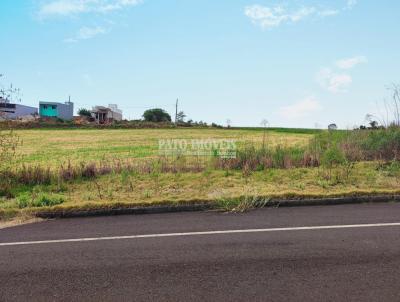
66	111
59	110
112	113
18	111
48	110
23	110
116	116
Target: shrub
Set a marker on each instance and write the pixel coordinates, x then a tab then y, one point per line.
333	157
382	144
24	201
36	175
393	169
156	115
42	200
9	142
84	112
253	158
45	200
358	145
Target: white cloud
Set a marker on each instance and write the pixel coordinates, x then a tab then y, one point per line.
75	7
99	9
328	12
351	62
85	33
339	81
300	109
268	17
351	3
334	82
62	7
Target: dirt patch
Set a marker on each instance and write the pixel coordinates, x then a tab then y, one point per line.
18	221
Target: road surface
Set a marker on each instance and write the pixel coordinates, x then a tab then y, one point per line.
328	253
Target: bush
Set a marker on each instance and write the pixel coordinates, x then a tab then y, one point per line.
156	115
393	169
358	145
9	142
23	201
8	147
214	125
382	144
333	157
37	175
42	200
84	112
45	200
255	159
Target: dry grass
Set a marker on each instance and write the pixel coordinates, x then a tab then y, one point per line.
215	185
130	189
87	187
19	220
53	147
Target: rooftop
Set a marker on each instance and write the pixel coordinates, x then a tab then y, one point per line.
56	103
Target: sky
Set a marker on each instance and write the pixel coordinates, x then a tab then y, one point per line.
299	63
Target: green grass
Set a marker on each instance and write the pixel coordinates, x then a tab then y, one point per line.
231	188
28	200
53	147
282	130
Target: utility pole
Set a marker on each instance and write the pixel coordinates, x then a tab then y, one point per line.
176	112
1	90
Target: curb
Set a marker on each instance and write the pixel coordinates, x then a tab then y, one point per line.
334	201
126	211
214	206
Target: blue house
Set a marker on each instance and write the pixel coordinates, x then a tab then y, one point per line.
64	111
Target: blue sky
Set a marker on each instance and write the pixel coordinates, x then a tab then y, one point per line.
295	63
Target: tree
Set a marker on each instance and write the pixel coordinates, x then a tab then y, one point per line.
180	117
84	112
374	124
10	94
332	127
156	115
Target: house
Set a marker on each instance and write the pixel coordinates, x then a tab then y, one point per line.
64	111
14	111
105	115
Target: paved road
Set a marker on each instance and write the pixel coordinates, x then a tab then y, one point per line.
270	257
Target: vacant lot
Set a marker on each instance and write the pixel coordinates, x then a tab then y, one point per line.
286	171
54	147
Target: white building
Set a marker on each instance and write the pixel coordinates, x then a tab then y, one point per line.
104	115
12	111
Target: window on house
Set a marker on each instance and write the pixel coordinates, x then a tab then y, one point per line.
44	106
53	107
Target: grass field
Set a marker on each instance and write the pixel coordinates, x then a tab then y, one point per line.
51	148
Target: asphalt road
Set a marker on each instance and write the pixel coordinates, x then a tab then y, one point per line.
269	256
